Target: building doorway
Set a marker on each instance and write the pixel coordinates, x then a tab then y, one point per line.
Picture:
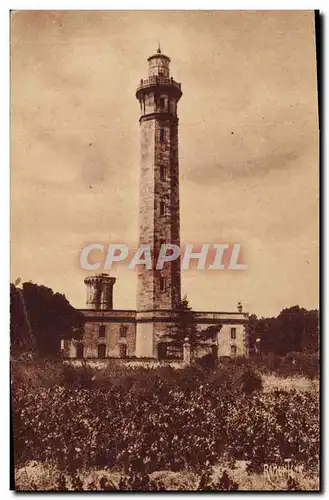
79	350
162	350
214	351
101	350
122	350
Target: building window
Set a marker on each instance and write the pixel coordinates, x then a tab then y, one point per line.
101	331
162	103
162	208
173	107
123	331
101	350
233	333
122	350
162	284
233	350
79	351
162	134
162	172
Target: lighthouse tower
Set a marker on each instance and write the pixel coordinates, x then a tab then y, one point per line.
158	291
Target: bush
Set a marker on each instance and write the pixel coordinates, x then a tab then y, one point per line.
307	364
207	362
224	483
81	377
143	420
251	381
34	371
292	364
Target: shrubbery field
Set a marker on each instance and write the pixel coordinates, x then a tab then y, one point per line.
138	421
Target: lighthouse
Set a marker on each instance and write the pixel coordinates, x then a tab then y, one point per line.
147	331
158	291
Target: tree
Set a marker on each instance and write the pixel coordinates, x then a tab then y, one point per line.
186	323
21	338
310	335
210	333
187	328
40	318
267	334
297	330
252	332
294	330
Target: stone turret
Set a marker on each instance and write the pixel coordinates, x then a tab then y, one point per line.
100	291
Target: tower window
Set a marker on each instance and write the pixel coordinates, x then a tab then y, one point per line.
162	135
233	350
162	103
162	284
123	331
162	208
173	107
162	172
233	333
102	331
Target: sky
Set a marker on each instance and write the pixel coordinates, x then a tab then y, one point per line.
248	147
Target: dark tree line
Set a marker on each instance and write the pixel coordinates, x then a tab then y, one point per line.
40	318
295	329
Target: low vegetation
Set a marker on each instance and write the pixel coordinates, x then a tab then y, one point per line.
141	421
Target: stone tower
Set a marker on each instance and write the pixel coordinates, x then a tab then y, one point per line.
158	290
100	291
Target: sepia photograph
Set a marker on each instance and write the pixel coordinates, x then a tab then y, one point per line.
164	253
